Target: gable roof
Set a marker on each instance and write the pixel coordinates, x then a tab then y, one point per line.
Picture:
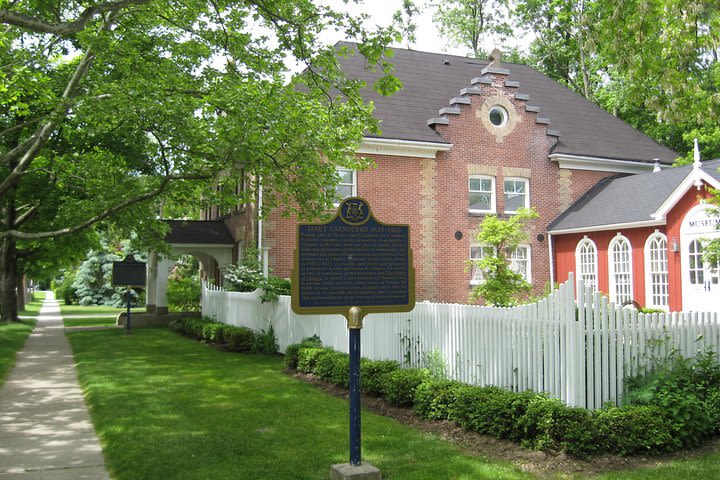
431	80
625	200
213	232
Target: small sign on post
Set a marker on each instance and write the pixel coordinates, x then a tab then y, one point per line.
353	265
128	273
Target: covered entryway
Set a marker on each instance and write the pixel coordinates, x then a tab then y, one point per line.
208	241
700	279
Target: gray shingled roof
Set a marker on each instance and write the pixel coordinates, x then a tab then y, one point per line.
431	80
198	231
626	199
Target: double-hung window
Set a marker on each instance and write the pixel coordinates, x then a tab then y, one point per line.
656	271
586	262
620	267
347	186
518	259
516	194
481	194
477	253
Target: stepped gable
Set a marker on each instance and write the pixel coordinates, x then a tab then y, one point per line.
431	79
476	88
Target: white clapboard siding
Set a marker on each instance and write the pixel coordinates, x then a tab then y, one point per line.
578	348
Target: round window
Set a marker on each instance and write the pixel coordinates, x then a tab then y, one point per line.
498	116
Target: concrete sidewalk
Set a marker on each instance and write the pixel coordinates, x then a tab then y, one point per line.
45	428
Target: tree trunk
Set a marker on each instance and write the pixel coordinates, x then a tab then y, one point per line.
21	292
8	281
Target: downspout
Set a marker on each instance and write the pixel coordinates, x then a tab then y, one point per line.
552	261
260	220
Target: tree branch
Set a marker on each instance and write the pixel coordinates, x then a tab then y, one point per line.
33	24
100	216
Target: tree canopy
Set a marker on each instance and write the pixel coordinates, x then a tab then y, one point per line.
112	109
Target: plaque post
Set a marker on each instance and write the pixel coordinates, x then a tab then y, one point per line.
355	318
127	320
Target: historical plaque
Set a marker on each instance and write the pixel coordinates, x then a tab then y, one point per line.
128	273
353	261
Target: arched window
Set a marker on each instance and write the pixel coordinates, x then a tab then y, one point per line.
656	271
586	262
620	269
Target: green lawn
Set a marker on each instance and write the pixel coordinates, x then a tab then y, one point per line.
167	407
12	338
93	309
89	322
704	467
33	308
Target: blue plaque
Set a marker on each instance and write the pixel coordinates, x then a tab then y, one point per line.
353	261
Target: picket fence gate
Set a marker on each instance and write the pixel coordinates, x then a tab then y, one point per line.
578	348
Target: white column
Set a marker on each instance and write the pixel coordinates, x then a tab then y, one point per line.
152	264
163	272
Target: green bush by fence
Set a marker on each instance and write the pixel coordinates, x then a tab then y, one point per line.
229	337
662	423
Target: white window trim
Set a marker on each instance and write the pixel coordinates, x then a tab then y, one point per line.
578	269
528	277
481	246
527	191
354	183
493	193
648	274
611	267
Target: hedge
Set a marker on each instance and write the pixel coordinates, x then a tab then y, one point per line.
236	339
533	419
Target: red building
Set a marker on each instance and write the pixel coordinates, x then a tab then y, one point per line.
465	138
640	238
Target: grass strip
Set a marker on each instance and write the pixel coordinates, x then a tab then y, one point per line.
12	338
93	309
89	322
32	308
167	407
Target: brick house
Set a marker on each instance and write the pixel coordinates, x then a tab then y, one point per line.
465	138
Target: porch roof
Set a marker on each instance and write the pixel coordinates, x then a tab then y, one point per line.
212	232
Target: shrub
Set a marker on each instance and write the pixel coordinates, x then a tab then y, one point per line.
682	388
307	358
434	399
334	367
399	385
64	289
490	410
238	339
372	375
634	429
549	423
265	341
292	350
183	294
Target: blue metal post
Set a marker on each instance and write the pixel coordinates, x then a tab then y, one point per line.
355	396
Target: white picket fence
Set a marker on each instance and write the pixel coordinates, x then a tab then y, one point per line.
578	350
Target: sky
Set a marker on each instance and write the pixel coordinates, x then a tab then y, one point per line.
428	40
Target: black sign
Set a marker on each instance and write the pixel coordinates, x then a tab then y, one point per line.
128	273
353	260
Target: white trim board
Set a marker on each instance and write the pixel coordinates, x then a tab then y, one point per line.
599	164
402	148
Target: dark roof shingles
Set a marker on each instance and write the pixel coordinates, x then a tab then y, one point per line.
431	80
